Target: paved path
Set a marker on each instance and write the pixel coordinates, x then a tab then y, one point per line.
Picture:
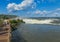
5	33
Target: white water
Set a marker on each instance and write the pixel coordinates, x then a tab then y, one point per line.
35	21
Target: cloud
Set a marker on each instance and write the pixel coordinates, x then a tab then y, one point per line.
58	9
56	12
50	13
41	12
23	5
34	5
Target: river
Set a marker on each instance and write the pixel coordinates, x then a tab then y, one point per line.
36	33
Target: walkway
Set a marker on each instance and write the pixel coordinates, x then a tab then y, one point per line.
5	33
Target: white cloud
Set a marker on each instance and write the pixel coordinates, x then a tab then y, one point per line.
24	4
52	13
58	9
41	12
37	12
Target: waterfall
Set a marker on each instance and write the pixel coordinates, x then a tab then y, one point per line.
35	21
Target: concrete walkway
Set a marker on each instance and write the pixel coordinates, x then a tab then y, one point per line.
5	33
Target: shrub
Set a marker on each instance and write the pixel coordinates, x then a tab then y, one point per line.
15	23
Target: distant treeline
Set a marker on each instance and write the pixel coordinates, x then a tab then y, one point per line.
7	16
42	18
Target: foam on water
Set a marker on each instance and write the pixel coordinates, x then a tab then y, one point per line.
35	21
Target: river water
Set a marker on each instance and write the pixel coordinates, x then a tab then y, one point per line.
36	33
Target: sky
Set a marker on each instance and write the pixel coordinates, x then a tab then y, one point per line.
31	8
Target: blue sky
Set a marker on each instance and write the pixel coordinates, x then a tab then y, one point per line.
31	8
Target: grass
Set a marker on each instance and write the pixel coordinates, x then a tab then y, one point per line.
1	23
